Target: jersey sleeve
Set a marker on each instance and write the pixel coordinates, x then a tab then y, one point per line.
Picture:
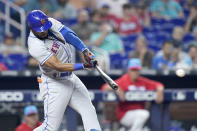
151	84
39	51
67	35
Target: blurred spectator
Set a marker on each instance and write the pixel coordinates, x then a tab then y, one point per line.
96	18
143	14
162	60
84	28
20	3
2	30
47	6
177	49
3	67
106	16
192	20
9	46
106	43
107	40
166	9
177	35
189	62
194	33
133	115
142	52
84	4
193	50
170	59
32	63
115	6
178	56
31	119
129	23
65	10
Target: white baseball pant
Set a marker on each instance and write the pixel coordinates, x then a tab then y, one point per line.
135	119
57	94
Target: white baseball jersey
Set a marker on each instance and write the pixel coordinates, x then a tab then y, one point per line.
41	50
58	93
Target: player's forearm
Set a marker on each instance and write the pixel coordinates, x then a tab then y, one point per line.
107	88
160	95
64	67
54	63
160	91
188	26
61	67
181	14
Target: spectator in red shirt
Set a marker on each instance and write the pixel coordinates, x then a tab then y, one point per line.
129	23
31	119
3	67
132	114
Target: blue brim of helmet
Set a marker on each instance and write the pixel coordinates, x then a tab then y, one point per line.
44	27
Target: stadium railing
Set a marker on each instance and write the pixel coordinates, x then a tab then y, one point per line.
5	15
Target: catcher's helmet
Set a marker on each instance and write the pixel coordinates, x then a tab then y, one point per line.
38	21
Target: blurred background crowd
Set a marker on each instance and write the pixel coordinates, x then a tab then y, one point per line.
161	33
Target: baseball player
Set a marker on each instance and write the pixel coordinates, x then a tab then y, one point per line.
132	114
49	42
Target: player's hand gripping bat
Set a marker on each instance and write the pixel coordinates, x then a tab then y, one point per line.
106	78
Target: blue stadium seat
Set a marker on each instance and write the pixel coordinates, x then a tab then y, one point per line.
2	60
149	29
188	38
155	21
157	27
118	61
178	22
154	48
134	1
115	61
130	38
68	22
186	12
154	45
16	61
150	36
168	28
161	37
128	48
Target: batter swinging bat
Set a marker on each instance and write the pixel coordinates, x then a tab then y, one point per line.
107	79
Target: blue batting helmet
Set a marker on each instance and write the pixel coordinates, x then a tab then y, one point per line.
38	21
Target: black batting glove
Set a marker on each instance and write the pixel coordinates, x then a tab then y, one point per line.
87	66
91	64
94	63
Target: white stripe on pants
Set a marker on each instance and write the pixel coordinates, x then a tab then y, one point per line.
57	94
135	119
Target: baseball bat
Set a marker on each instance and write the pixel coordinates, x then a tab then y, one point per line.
107	79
